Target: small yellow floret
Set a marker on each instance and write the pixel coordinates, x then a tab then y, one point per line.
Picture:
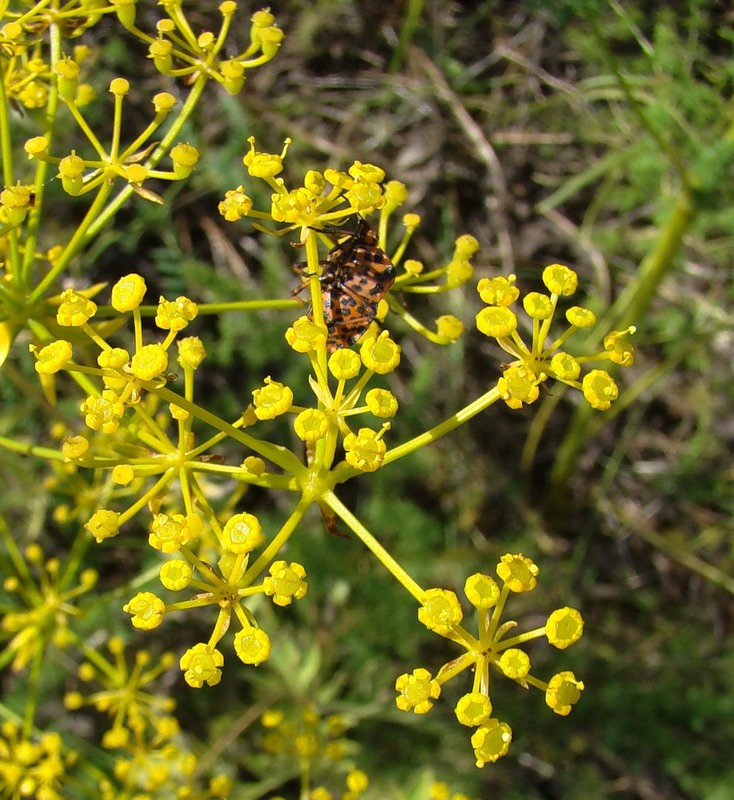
286	582
103	524
563	692
564	627
497	322
53	357
481	591
417	691
311	425
176	575
119	87
381	354
236	204
473	709
242	533
491	741
581	317
306	336
519	573
519	385
537	305
599	389
365	451
272	399
128	293
175	315
113	358
185	157
619	350
514	663
560	280
565	367
252	645
191	352
201	664
150	362
75	309
499	291
449	327
344	364
123	474
264	165
441	611
380	402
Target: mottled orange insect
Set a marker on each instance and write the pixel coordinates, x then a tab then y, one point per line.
356	275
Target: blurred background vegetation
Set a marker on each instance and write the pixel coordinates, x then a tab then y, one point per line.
580	132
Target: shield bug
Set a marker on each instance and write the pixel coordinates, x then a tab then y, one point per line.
356	275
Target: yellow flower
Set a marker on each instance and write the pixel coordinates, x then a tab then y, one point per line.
441	611
306	336
599	389
103	413
75	309
380	402
236	204
619	350
473	709
147	610
498	291
264	165
565	367
169	532
103	524
175	315
564	627
496	321
417	691
149	362
286	582
518	385
581	317
191	352
53	357
344	364
185	157
242	533
491	741
365	451
514	663
272	399
176	575
381	354
252	645
560	280
311	425
537	305
449	327
563	692
128	293
201	664
518	573
481	591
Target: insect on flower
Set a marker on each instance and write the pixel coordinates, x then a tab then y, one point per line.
356	275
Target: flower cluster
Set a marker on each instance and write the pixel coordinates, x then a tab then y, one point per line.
492	650
543	358
48	605
30	768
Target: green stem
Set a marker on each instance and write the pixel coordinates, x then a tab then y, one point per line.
448	425
390	564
